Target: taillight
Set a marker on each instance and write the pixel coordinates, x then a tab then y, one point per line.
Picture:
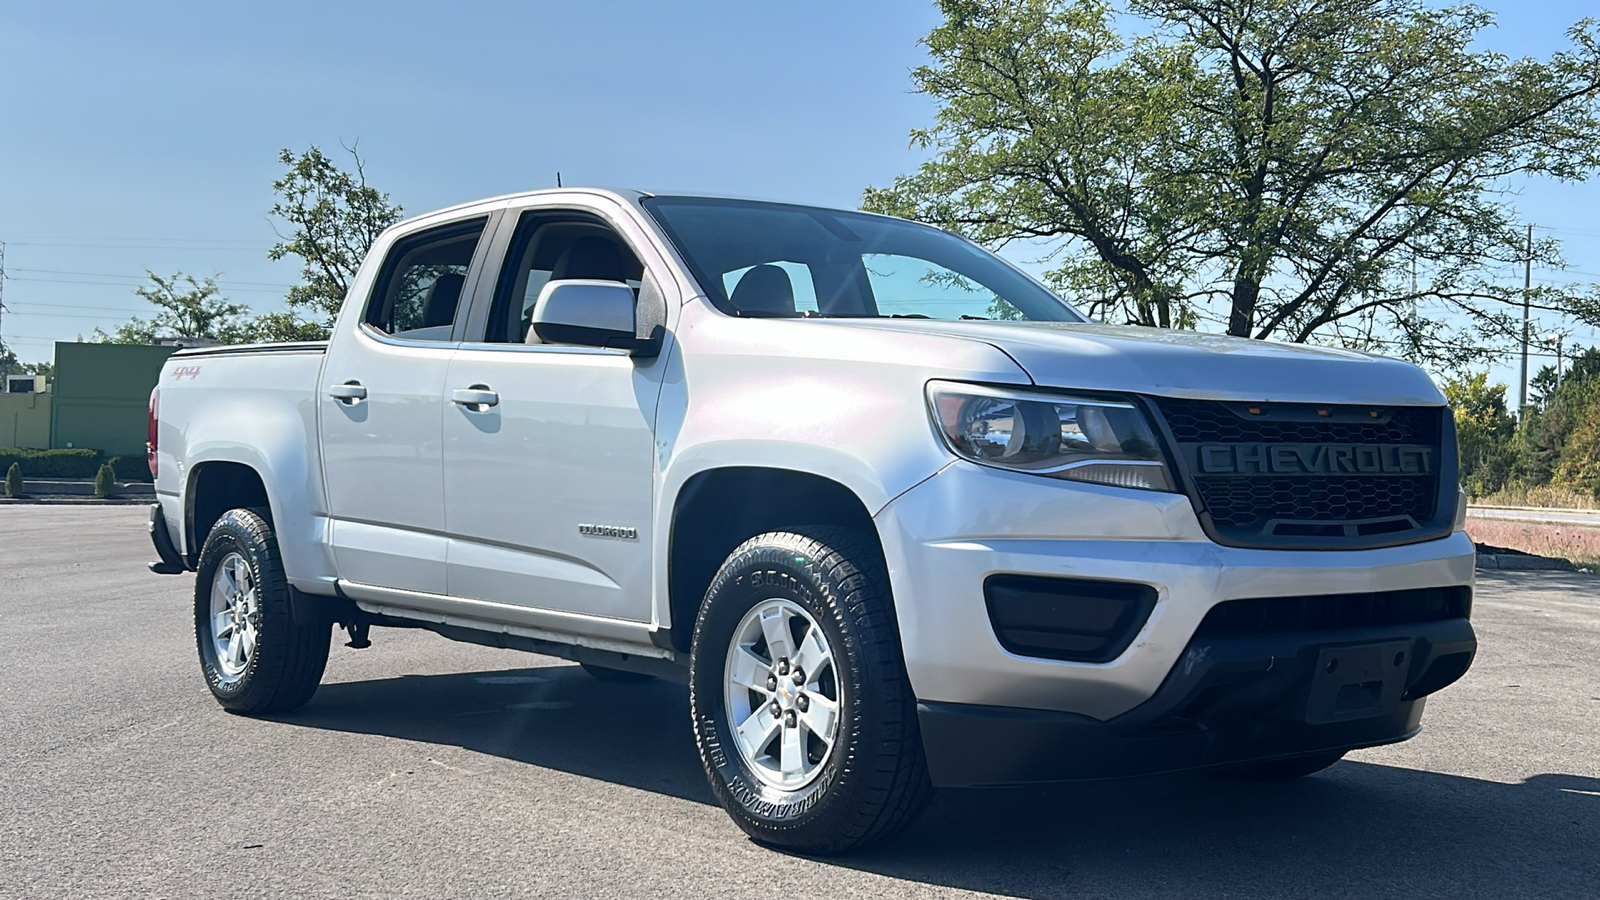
152	431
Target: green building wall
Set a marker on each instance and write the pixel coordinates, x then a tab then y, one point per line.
101	395
25	420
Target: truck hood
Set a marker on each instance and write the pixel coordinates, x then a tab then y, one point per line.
1089	356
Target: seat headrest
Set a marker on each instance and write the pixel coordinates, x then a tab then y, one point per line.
590	257
764	289
443	295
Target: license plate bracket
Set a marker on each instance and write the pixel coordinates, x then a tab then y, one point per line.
1357	681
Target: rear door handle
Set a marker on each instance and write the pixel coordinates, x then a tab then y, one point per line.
349	392
476	398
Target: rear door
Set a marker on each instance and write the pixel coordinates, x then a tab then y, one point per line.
549	487
381	401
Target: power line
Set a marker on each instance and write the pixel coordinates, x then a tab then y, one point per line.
115	309
115	284
273	284
255	248
123	237
131	312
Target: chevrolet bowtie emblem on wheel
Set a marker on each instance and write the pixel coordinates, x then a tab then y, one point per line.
1313	459
610	531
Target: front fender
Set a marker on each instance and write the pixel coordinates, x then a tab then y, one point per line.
846	404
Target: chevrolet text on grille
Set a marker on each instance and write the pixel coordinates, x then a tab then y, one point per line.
1313	459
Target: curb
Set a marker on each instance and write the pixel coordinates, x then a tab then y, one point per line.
75	501
1541	509
1517	561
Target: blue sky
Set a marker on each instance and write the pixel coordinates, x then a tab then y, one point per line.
145	135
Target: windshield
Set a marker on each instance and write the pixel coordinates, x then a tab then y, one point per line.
772	259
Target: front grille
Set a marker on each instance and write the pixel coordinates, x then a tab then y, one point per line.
1332	612
1208	421
1385	488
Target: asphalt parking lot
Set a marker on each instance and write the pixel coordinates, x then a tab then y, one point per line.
425	768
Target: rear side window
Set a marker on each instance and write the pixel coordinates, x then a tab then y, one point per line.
420	287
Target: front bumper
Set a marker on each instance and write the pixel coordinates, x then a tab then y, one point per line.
1230	700
943	538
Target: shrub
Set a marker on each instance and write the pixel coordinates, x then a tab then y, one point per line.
53	463
14	481
130	468
105	481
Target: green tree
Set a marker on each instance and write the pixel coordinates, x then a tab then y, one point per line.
333	216
1559	443
14	481
1484	431
105	481
186	307
1283	168
48	370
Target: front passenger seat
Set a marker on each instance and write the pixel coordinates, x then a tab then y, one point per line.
591	257
764	290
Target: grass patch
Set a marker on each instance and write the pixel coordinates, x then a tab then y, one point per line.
1577	543
1544	495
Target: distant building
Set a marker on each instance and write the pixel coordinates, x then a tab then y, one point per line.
101	395
97	401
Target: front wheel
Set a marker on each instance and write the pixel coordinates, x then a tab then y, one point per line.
255	657
804	720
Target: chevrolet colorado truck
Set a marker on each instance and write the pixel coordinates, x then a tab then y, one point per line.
899	516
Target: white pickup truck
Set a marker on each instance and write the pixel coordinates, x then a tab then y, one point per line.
898	514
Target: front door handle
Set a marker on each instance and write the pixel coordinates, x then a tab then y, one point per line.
348	393
477	398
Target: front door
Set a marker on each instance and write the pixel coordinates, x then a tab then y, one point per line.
380	408
549	450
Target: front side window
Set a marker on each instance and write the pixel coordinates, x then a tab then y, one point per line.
554	245
420	287
773	259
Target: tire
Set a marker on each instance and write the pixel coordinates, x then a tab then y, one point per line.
791	787
263	662
1285	769
615	676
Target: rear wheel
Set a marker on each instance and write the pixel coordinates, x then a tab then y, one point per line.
1285	769
805	723
255	657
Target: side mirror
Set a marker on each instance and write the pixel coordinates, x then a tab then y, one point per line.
590	313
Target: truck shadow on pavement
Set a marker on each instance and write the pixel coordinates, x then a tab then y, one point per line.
1359	829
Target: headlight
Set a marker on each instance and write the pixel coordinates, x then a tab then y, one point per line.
1102	441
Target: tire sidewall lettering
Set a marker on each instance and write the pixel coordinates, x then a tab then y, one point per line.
769	579
227	536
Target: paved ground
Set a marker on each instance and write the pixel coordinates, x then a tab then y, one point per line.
430	769
1535	514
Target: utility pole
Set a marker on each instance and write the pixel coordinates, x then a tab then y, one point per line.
1527	286
4	368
